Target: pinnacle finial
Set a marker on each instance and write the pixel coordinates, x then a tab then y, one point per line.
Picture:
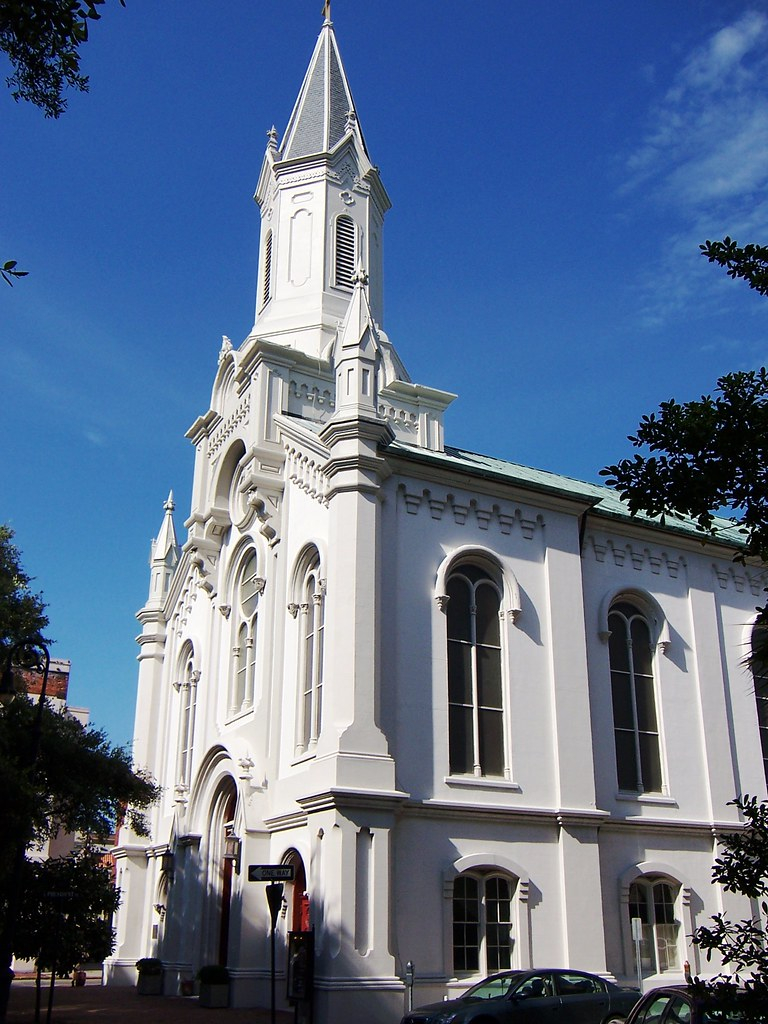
351	121
170	504
272	137
360	276
327	12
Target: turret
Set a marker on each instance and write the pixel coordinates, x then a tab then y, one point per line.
164	556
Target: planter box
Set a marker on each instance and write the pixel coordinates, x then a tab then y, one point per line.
214	996
150	985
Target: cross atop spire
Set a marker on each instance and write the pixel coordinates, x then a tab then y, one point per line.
327	11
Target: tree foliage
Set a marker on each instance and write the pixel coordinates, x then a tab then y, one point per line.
742	867
9	273
712	456
748	262
66	912
42	40
22	612
79	783
709	457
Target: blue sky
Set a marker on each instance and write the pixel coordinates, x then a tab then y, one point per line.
553	167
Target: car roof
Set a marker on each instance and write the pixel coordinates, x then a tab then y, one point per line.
539	970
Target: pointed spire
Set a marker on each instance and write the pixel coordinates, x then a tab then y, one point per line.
358	320
165	554
320	119
357	355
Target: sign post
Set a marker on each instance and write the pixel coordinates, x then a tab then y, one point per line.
275	901
275	875
637	936
409	972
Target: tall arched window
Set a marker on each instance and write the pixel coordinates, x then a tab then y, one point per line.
249	587
759	664
635	722
482	923
310	613
266	284
652	900
475	698
187	690
345	254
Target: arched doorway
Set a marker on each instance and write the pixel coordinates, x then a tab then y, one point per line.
220	869
298	897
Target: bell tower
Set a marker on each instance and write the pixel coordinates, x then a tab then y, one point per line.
322	212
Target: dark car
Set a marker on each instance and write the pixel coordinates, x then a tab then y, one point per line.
684	1004
533	997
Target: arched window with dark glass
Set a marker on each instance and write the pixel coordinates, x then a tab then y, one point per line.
475	691
310	614
245	610
187	690
635	720
482	923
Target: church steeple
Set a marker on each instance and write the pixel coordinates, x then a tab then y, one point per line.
322	210
324	111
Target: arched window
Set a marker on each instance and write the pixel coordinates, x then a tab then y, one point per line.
652	900
635	722
266	284
475	699
759	665
310	612
482	923
187	690
345	254
249	586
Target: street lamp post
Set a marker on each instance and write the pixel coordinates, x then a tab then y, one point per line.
33	655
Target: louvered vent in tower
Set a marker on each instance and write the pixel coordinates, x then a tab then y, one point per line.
267	289
345	252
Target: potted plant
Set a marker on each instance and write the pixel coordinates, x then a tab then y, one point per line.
214	985
150	981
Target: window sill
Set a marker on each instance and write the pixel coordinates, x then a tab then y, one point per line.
481	782
236	716
660	799
307	755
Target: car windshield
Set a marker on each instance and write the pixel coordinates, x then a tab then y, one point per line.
492	988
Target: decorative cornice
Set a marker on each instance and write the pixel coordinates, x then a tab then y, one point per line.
228	427
438	505
740	579
341	798
639	557
306	473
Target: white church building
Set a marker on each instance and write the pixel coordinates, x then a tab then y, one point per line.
486	716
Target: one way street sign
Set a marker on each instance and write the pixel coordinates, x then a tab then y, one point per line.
270	872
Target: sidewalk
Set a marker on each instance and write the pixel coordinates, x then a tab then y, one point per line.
122	1005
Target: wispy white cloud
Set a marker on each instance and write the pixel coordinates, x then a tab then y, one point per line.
95	438
703	162
723	55
709	134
